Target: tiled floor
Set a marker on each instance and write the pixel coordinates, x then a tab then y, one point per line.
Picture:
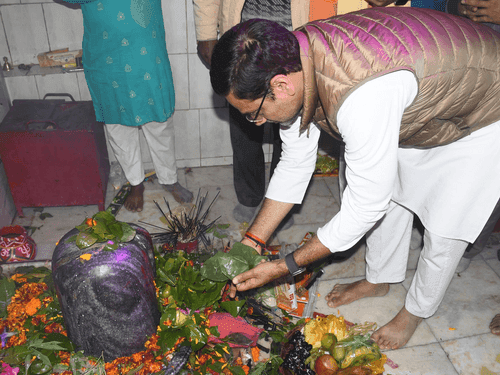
456	340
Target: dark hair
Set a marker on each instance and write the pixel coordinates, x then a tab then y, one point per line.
251	53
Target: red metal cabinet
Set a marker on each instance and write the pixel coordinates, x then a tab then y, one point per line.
54	153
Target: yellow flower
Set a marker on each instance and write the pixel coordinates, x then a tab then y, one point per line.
85	256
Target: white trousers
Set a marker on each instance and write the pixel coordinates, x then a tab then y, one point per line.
388	245
124	141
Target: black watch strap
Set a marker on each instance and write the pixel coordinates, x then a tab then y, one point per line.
292	265
401	2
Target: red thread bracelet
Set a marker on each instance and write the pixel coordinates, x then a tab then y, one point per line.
255	239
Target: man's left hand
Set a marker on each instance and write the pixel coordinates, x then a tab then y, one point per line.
482	10
258	276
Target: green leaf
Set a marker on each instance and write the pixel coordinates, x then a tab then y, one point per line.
223	266
7	290
84	240
104	216
233	307
115	229
132	372
128	232
41	344
237	370
45	360
110	246
61	340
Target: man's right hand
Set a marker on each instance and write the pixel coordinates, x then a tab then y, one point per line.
205	49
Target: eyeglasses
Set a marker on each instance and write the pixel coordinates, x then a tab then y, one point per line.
256	118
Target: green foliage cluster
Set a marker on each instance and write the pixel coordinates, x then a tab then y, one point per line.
103	227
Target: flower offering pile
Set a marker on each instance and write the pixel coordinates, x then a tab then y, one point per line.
201	330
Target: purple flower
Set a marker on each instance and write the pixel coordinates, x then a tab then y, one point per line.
4	336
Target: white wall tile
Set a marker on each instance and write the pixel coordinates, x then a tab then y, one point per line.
82	86
201	94
64	26
4	47
214	133
23	87
26	33
187	134
210	162
188	163
174	18
181	80
58	83
191	30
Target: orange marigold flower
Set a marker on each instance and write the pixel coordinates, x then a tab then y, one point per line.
33	306
154	367
90	222
137	357
255	354
18	278
246	369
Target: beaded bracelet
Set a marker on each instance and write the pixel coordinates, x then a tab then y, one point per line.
255	239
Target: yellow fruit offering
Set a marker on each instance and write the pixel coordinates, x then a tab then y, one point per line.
315	329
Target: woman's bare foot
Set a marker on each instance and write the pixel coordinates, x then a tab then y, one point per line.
135	199
180	193
343	294
495	325
398	331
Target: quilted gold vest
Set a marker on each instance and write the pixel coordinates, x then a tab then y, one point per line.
455	61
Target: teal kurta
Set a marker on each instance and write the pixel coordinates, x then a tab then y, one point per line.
126	62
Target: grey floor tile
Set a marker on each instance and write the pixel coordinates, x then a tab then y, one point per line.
470	354
209	176
428	359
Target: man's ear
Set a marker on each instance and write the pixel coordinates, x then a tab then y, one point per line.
282	85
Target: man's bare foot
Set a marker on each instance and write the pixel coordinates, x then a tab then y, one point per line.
135	199
180	193
495	325
398	331
343	294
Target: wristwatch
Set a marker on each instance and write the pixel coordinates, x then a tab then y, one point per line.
401	2
293	266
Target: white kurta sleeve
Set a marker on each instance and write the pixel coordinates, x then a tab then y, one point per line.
369	122
296	166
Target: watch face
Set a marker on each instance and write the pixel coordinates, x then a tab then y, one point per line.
298	272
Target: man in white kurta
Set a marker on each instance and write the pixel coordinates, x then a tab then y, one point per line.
379	87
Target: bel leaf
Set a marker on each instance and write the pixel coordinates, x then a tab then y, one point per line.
84	240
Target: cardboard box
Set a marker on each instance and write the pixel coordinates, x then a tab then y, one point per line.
58	58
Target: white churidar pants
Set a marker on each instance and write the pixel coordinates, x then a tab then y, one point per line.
124	141
388	245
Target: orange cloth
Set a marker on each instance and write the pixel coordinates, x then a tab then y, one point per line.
321	9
